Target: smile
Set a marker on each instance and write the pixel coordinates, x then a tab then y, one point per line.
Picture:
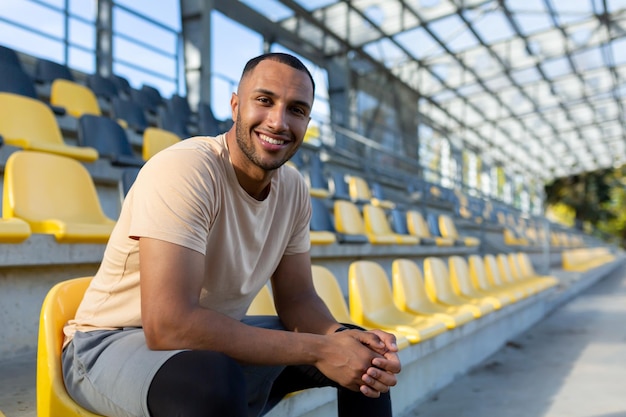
271	141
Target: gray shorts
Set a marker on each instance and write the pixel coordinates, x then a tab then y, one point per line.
109	372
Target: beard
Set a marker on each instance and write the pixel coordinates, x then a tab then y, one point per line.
244	141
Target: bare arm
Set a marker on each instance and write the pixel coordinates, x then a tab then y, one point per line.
171	280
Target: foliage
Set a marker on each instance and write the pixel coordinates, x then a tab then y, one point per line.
596	198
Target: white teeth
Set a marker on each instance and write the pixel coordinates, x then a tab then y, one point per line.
270	140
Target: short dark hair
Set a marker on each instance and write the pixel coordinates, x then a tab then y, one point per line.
281	57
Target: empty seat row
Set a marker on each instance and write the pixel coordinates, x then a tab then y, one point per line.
417	306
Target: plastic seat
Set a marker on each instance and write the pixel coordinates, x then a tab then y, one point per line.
478	275
155	140
314	175
340	189
496	280
47	71
512	277
322	230
519	275
14	80
371	304
417	226
527	270
439	287
348	220
448	229
59	306
109	139
122	85
8	56
55	195
262	304
13	230
129	175
208	124
129	114
322	224
330	292
75	98
463	286
30	124
170	119
379	230
409	294
102	87
360	192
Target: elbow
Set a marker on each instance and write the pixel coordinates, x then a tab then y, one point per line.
162	335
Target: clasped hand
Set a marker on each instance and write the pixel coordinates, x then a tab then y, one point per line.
366	361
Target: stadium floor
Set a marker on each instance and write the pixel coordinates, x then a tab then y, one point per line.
571	364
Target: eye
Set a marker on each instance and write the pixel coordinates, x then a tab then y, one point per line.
264	100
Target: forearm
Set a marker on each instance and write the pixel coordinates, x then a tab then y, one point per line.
307	314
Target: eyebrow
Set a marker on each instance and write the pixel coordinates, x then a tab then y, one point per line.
272	94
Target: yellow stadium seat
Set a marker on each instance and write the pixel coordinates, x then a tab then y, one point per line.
30	124
360	192
496	280
349	221
378	228
75	98
448	229
14	230
520	273
439	287
478	275
55	195
417	227
409	294
371	304
262	304
330	292
155	140
58	307
463	286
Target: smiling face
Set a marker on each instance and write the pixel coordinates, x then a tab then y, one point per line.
271	111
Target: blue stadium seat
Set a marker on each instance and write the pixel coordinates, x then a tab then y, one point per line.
108	138
47	71
8	56
321	220
130	113
103	87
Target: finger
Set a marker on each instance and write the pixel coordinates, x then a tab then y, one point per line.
385	378
388	339
368	392
390	363
372	341
375	384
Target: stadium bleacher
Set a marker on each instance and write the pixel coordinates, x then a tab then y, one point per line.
463	280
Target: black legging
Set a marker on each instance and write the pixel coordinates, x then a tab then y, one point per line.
210	384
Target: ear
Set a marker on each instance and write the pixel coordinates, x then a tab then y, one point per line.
234	105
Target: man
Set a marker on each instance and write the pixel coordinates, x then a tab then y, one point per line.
162	329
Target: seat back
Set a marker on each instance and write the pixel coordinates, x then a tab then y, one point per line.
504	268
330	292
358	189
130	112
399	221
102	86
433	224
409	291
208	124
14	80
348	218
262	304
493	272
321	220
105	135
24	119
122	84
75	98
47	71
155	140
8	56
460	277
339	186
437	282
129	175
447	227
51	193
478	273
59	306
416	224
526	265
370	295
376	220
317	178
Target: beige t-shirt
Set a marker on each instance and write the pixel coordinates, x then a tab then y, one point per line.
189	195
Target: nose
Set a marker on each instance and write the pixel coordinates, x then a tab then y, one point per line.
277	118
